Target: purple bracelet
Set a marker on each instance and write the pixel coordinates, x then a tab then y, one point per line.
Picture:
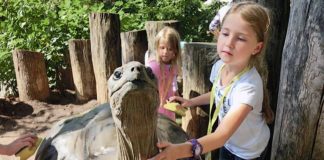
196	149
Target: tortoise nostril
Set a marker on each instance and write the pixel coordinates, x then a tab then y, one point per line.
138	69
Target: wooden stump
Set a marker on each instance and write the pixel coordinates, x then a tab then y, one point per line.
31	75
299	125
134	46
82	69
152	28
197	62
105	49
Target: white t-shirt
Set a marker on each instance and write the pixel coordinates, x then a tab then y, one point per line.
252	136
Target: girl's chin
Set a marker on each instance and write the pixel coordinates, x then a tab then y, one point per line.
225	58
166	61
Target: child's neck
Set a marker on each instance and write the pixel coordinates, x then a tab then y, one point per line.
165	63
234	69
229	72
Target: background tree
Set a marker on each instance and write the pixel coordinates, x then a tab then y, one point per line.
299	128
46	26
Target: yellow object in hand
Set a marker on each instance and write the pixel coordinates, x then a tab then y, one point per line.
27	152
172	106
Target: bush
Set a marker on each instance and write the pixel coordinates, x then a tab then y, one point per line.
46	26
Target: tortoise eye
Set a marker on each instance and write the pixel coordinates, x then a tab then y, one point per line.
117	75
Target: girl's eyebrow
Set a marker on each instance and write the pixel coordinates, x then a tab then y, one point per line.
224	28
239	33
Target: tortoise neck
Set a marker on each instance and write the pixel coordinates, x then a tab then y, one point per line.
132	148
137	130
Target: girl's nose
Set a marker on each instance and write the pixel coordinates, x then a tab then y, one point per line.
230	42
164	51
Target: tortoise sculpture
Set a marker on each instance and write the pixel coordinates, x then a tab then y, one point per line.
127	129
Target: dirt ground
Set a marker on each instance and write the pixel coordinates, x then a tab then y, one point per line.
17	118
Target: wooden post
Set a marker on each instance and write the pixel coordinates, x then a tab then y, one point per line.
82	69
105	49
197	62
134	46
152	28
31	75
299	127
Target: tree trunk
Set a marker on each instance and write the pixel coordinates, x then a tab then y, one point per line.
31	75
105	49
318	152
152	28
197	62
301	88
82	69
134	46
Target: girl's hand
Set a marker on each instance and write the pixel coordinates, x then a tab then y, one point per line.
27	140
169	151
183	102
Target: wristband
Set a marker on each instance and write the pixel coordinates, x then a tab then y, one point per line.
196	149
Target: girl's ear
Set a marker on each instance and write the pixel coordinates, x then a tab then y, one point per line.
258	48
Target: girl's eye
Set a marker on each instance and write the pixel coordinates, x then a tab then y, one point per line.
225	34
241	39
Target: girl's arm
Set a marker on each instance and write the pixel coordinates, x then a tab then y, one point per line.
200	100
25	140
225	129
217	139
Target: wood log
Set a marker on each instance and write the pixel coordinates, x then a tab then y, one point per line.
197	62
105	49
152	28
134	46
82	69
298	131
31	75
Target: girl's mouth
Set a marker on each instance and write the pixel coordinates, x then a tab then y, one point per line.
227	53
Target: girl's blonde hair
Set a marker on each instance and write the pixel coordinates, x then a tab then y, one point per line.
258	18
172	37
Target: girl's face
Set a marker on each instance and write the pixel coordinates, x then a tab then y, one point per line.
237	41
165	52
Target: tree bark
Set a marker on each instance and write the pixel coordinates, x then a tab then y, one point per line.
31	75
197	62
318	152
134	46
301	87
152	29
82	69
105	49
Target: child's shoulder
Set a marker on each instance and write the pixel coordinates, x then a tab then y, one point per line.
217	65
153	63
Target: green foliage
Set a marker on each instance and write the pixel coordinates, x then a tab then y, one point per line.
46	25
194	17
42	26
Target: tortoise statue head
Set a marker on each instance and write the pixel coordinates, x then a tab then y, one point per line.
133	100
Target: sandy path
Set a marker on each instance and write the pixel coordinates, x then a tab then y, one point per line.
34	116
